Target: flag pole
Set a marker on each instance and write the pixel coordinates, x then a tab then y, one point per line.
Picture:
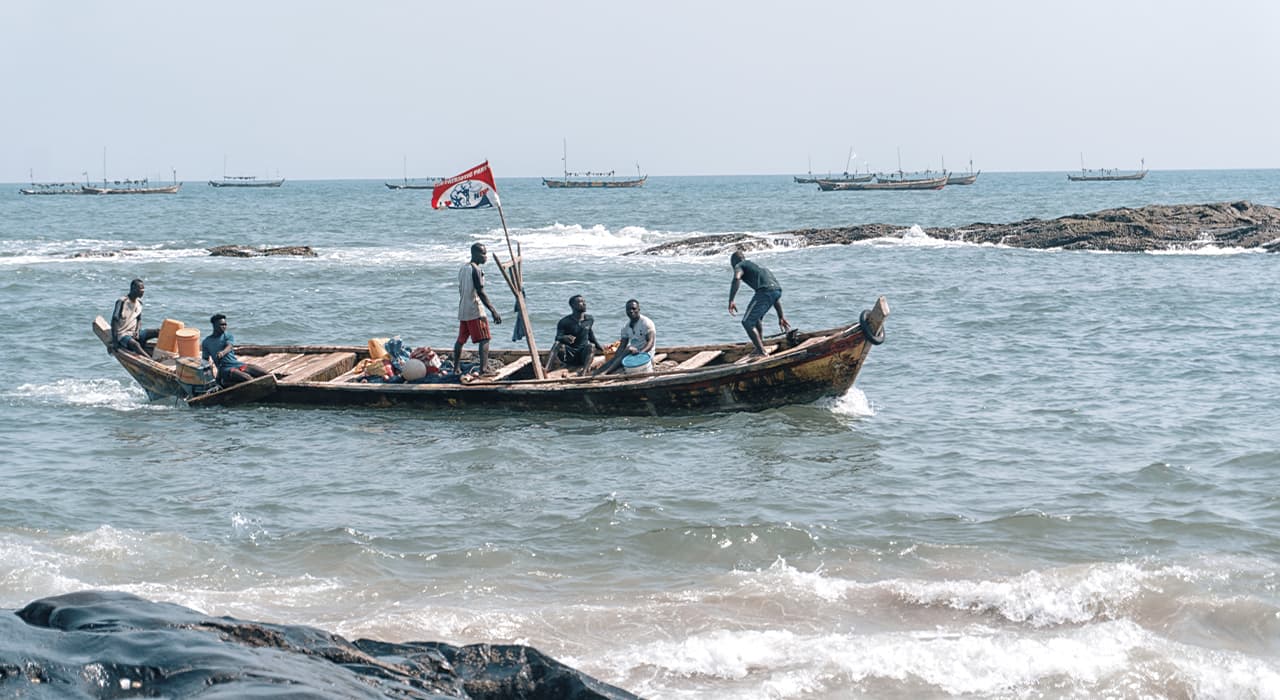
516	282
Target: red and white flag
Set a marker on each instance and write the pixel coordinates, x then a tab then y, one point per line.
470	190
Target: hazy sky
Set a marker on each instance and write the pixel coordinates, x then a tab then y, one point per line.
314	89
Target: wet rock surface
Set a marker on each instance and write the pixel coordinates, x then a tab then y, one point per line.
240	251
105	644
1150	228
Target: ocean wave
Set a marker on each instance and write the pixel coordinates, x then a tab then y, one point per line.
1069	595
92	393
1099	660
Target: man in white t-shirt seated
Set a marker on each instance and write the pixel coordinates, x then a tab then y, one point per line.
638	335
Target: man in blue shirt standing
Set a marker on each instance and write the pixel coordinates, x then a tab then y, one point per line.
220	349
768	294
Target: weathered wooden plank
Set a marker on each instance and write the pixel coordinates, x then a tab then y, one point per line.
703	358
768	350
317	368
511	368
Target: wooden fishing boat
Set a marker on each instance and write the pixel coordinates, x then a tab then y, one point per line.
590	180
44	188
407	185
245	181
846	176
932	183
131	187
1106	175
966	178
800	368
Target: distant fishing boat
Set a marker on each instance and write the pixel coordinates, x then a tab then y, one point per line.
1107	174
245	181
131	187
846	176
887	183
53	188
592	180
967	178
412	184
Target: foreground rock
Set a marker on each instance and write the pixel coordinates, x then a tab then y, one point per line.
102	644
240	251
1154	227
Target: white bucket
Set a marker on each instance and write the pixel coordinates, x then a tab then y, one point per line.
639	363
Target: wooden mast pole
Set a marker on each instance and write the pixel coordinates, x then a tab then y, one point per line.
515	280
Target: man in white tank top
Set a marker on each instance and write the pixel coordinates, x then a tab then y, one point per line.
472	302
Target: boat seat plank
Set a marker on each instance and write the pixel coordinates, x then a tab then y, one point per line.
511	368
319	368
287	364
809	341
271	361
768	350
700	359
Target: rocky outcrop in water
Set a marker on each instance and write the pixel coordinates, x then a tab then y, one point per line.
1154	227
104	644
240	251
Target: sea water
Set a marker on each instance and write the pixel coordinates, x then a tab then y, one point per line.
1057	476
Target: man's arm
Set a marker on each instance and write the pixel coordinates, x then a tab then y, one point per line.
782	320
653	338
478	282
733	289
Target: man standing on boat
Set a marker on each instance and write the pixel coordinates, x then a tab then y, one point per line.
126	322
576	343
220	349
768	293
472	302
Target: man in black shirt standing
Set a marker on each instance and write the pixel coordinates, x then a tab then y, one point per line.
768	294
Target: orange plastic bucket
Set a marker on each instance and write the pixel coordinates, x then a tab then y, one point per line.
188	342
167	339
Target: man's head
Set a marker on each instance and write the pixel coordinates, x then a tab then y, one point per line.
219	323
578	303
479	253
736	257
633	309
136	288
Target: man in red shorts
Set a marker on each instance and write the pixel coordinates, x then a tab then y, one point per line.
472	302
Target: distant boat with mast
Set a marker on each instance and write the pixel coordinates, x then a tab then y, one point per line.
593	180
966	178
127	186
410	184
1107	174
47	188
846	176
243	180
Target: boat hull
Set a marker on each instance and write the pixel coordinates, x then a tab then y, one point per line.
252	183
803	368
1106	178
167	189
936	183
592	184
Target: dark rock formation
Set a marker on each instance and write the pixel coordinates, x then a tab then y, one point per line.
240	251
101	644
1154	227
